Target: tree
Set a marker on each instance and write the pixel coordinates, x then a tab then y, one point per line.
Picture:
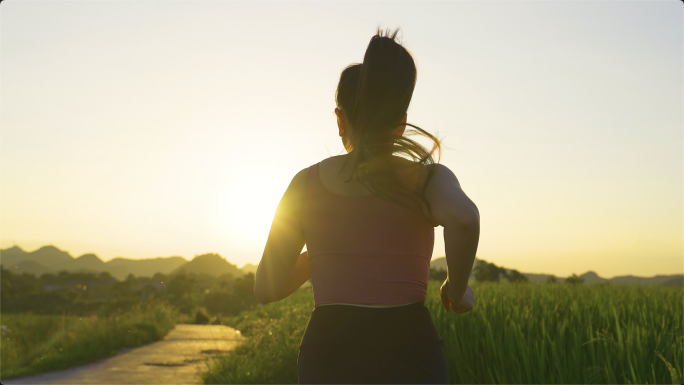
486	271
515	276
437	274
551	279
574	280
181	285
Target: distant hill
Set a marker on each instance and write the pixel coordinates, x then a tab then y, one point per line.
211	264
249	268
49	259
589	277
676	281
30	267
48	256
144	267
541	277
13	254
441	263
657	280
90	262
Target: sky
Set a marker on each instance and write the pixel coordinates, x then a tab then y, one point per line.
155	128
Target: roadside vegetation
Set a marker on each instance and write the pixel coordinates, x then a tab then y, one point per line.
57	321
269	355
518	332
38	343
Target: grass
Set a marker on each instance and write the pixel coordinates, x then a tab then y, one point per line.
43	343
529	333
270	354
516	334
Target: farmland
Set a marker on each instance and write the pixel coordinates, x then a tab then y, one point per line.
517	333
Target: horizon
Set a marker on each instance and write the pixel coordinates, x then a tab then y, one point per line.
562	121
188	259
123	257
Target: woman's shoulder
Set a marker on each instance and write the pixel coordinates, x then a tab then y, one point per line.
299	180
302	175
333	162
433	174
439	179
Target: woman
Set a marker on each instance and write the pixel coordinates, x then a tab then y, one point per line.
367	219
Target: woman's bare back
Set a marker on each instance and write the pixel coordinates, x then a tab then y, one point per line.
334	176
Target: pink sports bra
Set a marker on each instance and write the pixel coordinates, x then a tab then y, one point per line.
363	249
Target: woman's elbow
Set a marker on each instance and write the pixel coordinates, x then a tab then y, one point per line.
261	296
465	220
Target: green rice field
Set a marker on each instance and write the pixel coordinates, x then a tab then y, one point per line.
518	333
43	343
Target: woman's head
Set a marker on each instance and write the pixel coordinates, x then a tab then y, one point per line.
374	98
345	98
386	82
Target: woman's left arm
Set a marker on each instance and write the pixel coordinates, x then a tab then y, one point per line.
281	266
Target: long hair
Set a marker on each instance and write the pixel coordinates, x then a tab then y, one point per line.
374	96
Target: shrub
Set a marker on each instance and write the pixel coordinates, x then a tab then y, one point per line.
574	280
201	316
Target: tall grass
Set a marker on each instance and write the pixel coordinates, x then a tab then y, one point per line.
42	343
517	333
557	333
270	354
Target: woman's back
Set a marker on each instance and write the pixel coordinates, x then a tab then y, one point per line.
367	219
335	171
363	249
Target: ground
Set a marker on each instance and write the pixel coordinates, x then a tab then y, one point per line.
176	359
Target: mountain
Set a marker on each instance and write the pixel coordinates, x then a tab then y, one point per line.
48	256
212	264
589	277
537	278
13	255
675	281
49	259
121	267
657	280
30	267
441	263
89	262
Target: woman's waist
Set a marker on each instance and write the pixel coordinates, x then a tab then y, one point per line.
317	251
373	305
353	325
370	264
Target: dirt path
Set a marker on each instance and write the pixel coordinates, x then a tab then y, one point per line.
174	360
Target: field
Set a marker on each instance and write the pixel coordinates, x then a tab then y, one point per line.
518	333
42	343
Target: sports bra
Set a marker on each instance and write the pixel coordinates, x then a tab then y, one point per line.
364	249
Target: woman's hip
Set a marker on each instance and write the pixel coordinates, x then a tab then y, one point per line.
409	325
346	364
348	344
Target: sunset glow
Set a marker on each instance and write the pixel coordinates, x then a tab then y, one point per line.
144	129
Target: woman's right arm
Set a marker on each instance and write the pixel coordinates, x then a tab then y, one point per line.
451	208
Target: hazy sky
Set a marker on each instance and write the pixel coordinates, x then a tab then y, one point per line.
153	128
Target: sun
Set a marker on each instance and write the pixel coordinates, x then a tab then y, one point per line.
250	202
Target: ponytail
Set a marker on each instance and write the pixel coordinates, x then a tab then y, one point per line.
385	86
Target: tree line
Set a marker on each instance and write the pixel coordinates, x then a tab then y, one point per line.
89	293
490	272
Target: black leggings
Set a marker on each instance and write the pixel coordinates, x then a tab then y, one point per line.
351	344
